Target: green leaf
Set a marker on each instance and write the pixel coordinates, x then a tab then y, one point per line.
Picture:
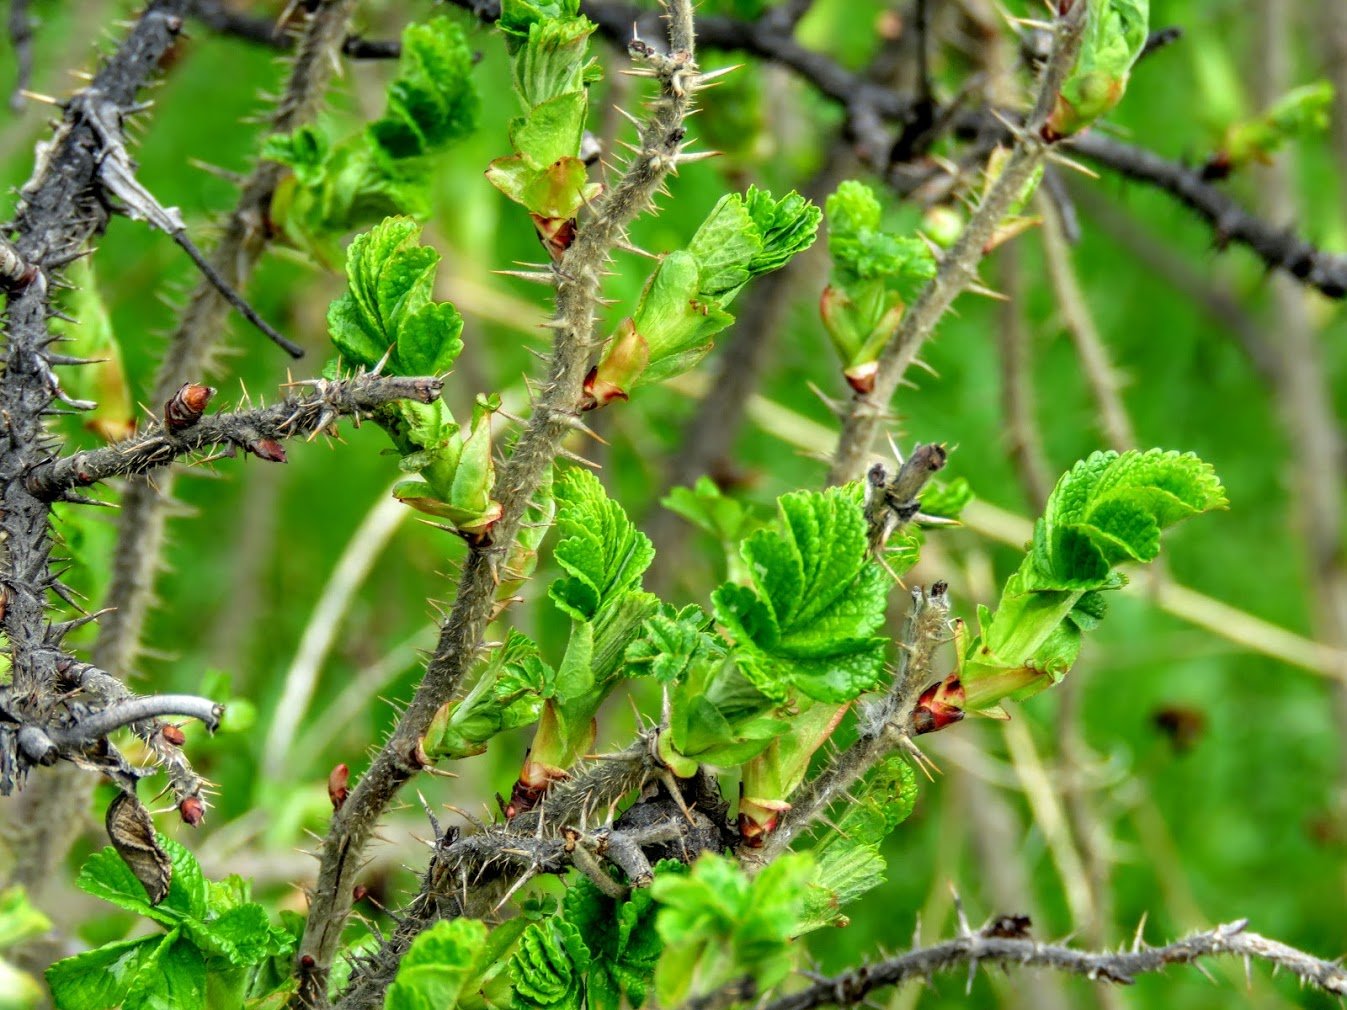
389	304
106	876
549	966
600	549
718	924
432	102
172	978
673	643
241	935
623	943
100	977
843	873
816	599
1108	509
438	966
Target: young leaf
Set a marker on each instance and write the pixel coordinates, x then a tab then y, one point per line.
719	924
173	976
600	549
549	966
1108	509
1115	33
389	304
438	966
623	943
816	599
432	102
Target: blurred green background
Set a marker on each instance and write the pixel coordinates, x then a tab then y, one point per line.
1231	814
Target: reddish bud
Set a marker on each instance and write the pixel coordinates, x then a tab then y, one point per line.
940	705
358	892
268	449
192	811
862	377
185	407
337	783
555	233
307	962
173	734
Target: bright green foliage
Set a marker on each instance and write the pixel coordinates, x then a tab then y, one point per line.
19	921
389	315
604	557
623	943
684	301
336	187
946	499
549	966
674	643
508	694
389	307
875	275
213	930
1115	34
808	620
1301	112
718	924
549	46
727	519
848	858
1107	510
442	965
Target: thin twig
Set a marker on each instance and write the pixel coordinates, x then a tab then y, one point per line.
290	417
556	409
853	987
1024	440
21	40
268	32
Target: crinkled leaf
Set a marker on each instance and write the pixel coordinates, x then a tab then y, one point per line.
719	924
438	966
389	303
432	102
1108	509
599	548
843	873
672	643
549	967
816	599
174	977
622	940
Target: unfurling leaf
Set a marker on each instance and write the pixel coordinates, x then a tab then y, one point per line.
875	275
1115	33
336	187
1109	509
438	967
549	966
623	942
718	924
685	301
817	598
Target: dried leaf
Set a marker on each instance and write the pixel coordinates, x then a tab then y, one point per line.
132	834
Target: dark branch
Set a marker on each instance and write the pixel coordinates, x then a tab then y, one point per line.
985	947
867	102
293	416
98	725
267	32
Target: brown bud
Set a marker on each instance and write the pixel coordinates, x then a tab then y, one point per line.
173	734
192	811
337	783
268	449
358	892
185	407
555	233
307	962
862	377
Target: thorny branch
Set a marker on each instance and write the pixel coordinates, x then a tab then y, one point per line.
555	413
958	268
992	945
61	210
249	430
867	102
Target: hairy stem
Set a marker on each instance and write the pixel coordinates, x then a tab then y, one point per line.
555	411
